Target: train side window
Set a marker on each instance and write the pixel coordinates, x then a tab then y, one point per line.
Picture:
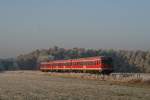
98	62
92	63
89	63
70	64
77	63
80	63
95	63
86	63
65	64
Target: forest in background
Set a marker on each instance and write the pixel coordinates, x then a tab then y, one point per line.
124	60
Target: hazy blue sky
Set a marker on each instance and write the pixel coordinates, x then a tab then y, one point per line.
26	25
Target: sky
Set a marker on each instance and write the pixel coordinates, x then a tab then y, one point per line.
26	25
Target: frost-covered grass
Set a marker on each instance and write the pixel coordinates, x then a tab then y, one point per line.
34	85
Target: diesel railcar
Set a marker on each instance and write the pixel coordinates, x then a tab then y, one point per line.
98	64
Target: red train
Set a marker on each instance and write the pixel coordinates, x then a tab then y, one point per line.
91	64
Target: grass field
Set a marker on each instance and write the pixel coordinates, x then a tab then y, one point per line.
35	85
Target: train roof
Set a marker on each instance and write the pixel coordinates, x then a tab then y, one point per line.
79	59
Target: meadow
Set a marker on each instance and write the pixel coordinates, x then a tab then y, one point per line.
35	85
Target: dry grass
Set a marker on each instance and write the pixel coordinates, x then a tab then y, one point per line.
29	85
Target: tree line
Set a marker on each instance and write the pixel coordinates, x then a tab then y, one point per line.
124	60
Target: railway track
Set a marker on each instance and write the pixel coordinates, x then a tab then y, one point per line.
123	77
131	76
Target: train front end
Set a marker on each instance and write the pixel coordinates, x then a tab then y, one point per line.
106	65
